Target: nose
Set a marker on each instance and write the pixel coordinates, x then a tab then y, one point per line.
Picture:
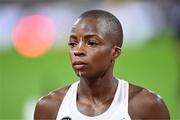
80	50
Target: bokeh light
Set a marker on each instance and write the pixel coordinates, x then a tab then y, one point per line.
34	35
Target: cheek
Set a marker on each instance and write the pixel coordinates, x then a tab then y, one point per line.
101	58
70	56
99	63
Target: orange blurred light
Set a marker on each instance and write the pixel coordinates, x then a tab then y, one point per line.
34	35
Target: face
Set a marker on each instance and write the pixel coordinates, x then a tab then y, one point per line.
90	50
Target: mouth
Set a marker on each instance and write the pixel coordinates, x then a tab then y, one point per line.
78	65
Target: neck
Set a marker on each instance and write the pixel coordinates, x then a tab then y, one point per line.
98	88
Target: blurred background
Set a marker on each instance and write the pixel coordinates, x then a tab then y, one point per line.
34	56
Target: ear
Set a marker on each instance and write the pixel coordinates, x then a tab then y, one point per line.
116	52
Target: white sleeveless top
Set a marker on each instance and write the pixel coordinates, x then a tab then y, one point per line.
118	109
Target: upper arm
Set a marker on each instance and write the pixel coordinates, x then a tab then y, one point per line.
48	106
156	108
147	105
45	109
41	110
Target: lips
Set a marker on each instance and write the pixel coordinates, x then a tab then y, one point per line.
78	65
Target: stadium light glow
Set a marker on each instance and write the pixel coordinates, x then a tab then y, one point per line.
33	35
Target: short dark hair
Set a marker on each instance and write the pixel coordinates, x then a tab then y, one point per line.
112	24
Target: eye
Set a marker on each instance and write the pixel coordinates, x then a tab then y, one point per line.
72	41
71	44
92	43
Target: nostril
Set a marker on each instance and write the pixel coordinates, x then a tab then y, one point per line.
77	53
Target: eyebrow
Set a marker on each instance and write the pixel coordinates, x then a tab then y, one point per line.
87	35
72	35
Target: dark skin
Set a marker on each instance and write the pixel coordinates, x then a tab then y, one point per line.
95	48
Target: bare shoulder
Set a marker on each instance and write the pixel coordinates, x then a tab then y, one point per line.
48	106
145	104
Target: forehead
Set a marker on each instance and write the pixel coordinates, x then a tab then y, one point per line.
88	25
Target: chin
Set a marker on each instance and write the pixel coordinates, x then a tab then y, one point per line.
82	74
